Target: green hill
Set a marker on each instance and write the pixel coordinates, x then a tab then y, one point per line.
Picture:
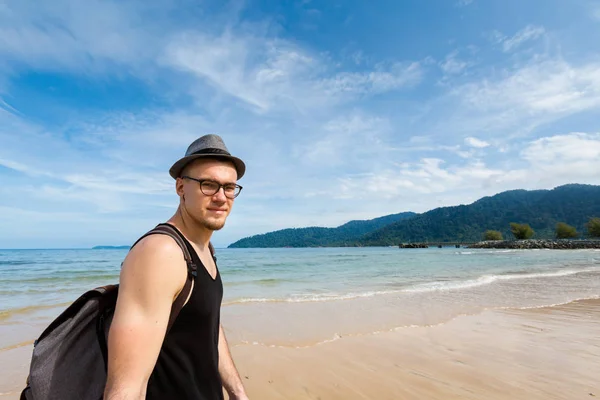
343	235
541	209
573	204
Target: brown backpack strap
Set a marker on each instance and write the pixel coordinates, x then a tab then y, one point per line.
170	230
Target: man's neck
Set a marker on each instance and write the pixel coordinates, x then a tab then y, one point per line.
195	233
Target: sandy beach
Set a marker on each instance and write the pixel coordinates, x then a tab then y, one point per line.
546	353
538	353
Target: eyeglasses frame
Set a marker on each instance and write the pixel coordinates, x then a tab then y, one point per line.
201	181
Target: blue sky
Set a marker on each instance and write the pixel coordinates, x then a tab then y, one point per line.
341	110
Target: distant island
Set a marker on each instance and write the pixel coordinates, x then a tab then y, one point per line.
111	247
572	204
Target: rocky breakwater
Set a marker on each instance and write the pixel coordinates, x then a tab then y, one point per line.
413	246
537	244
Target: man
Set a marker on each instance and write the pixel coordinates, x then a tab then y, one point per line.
192	360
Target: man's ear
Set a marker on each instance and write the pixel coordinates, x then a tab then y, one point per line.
179	186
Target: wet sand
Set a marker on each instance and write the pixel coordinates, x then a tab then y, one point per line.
542	353
548	353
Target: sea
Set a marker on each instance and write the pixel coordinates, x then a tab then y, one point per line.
303	296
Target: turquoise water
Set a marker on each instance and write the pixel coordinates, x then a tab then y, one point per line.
43	278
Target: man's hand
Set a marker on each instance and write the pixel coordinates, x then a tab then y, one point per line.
229	373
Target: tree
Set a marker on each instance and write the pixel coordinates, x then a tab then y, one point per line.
564	231
593	227
492	235
521	231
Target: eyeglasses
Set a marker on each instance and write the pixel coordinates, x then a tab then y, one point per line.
210	188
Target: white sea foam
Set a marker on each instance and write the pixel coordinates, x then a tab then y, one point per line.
335	337
488	279
313	298
420	288
487	251
563	303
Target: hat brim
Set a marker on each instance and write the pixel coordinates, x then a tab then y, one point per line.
175	170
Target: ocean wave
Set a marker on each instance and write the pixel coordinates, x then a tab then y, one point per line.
59	263
11	291
6	314
419	288
16	346
311	298
16	262
552	305
78	277
486	251
488	279
268	281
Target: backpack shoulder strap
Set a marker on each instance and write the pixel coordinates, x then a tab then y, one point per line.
170	230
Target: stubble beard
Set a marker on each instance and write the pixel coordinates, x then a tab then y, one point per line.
212	225
206	223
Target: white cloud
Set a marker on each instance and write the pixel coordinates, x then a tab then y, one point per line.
464	3
565	150
477	143
452	64
358	57
595	11
548	162
66	175
241	61
268	73
529	33
32	229
344	140
254	70
138	183
552	86
382	79
70	35
425	177
20	167
516	101
557	160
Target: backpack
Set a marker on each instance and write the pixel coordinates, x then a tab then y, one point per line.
70	357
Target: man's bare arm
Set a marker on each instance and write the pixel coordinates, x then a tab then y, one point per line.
152	275
229	374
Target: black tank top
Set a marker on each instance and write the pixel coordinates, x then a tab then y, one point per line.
188	363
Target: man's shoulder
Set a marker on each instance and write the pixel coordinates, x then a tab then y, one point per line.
155	249
158	243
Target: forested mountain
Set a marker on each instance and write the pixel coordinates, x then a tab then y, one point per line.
541	209
343	235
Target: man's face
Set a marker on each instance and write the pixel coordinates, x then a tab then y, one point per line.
210	211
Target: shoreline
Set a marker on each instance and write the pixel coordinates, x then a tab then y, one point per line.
18	335
292	323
